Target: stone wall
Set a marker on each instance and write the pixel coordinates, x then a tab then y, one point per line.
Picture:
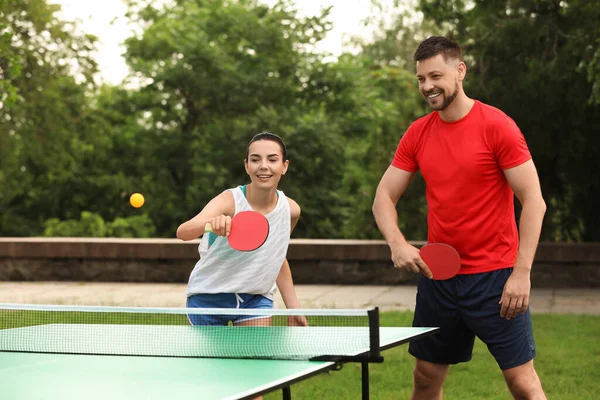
352	262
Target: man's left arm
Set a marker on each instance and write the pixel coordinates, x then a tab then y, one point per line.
524	181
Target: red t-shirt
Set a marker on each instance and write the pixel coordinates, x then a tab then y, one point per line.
470	203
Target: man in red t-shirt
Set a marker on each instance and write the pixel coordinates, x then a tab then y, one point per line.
474	159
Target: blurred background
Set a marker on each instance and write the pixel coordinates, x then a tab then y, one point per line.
99	100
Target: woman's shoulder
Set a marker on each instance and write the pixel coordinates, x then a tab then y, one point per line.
294	207
225	202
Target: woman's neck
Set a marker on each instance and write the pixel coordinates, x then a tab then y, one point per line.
261	200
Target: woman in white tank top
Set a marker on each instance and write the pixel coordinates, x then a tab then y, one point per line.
226	278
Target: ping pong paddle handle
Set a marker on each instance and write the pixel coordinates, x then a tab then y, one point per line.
208	228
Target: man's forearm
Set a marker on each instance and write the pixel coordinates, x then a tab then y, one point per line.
530	227
386	218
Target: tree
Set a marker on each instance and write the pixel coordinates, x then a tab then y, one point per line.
42	131
10	65
217	74
538	61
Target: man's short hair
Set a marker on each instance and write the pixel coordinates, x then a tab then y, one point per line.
434	45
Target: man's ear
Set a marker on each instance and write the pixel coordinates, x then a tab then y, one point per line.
462	70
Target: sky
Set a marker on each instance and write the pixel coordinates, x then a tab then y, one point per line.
96	17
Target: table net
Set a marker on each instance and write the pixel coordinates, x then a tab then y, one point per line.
190	332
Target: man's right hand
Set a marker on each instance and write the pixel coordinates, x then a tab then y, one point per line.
406	256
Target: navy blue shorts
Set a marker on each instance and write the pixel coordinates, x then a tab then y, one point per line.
226	300
464	307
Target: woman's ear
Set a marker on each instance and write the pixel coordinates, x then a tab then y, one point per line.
286	165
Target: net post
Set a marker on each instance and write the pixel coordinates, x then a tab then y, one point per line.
365	380
374	342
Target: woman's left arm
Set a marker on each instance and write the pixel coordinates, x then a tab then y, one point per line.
285	283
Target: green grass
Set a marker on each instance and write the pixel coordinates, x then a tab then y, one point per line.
19	318
568	362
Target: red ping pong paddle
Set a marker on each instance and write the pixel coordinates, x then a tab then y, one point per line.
249	230
442	259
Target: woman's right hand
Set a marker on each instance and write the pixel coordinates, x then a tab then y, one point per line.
221	225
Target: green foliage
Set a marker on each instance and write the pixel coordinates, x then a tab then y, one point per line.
371	105
593	69
217	75
10	66
207	76
137	226
89	225
209	72
45	128
538	61
92	225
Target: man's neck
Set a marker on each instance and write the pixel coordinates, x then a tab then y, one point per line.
457	109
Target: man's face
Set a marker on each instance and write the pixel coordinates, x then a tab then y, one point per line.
439	80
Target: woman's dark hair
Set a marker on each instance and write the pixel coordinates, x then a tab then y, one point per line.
268	136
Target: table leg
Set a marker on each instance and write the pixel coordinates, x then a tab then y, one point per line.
365	380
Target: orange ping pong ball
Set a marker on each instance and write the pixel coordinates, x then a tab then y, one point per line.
136	200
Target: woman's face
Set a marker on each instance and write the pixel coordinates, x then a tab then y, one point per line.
265	164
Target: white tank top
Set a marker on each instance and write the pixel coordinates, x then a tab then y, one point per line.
222	269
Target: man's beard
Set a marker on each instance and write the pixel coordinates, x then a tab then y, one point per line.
447	99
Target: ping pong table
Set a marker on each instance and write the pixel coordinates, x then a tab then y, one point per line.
152	361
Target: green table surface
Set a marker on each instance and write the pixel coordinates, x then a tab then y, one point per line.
33	376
